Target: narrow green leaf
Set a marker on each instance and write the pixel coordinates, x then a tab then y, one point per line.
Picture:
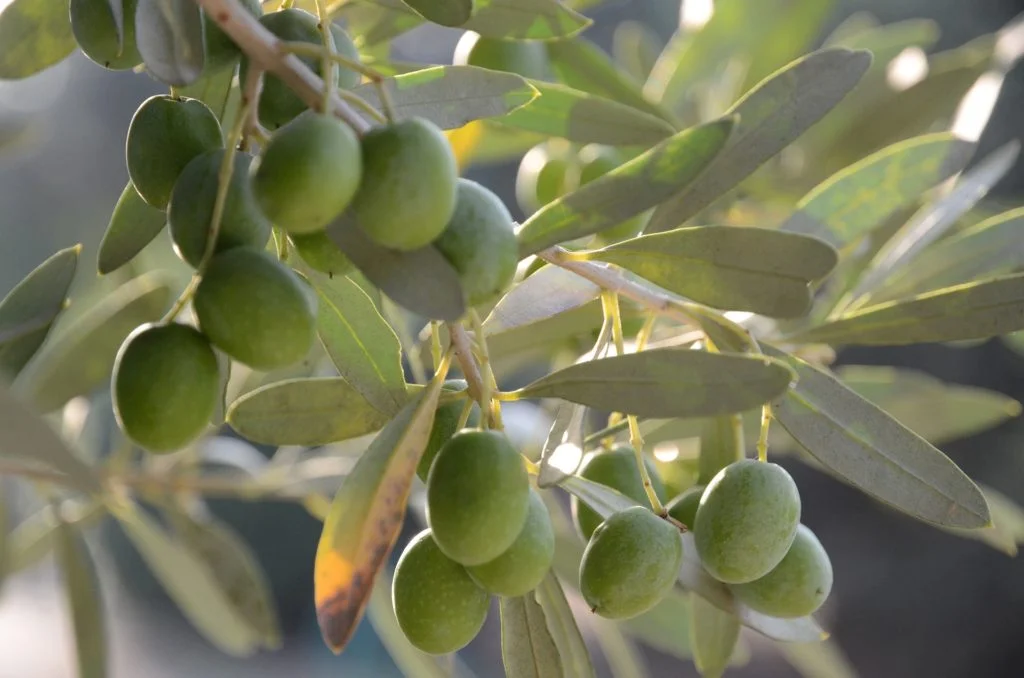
169	34
713	634
304	412
635	47
224	363
667	383
451	96
732	267
536	338
361	344
971	311
788	35
824	659
366	518
28	311
626	191
625	659
421	281
34	35
83	594
586	118
863	444
190	583
4	532
856	200
443	12
81	358
771	116
721	444
376	21
1007	530
217	92
525	20
117	14
545	294
665	627
527	648
133	225
563	630
410	661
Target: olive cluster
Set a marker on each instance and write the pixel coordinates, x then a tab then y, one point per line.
399	183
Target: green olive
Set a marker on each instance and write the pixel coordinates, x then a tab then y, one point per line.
617	469
95	31
684	507
524	564
320	252
526	58
446	423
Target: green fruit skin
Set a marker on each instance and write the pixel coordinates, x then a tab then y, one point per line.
446	423
165	386
408	190
478	496
479	243
630	564
256	309
221	50
597	160
190	210
278	104
684	507
746	522
797	586
438	605
308	173
528	59
320	252
92	24
164	136
544	174
617	469
523	565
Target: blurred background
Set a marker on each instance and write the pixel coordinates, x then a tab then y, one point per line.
908	601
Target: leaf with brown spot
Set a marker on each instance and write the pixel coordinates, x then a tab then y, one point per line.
366	517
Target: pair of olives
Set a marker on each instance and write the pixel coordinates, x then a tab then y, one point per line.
489	534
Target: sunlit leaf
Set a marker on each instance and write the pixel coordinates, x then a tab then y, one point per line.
525	20
635	47
34	35
713	635
444	12
527	648
169	34
86	607
133	225
546	293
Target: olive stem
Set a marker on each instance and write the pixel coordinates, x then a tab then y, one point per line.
762	440
493	405
435	342
375	76
328	65
644	335
464	354
598	436
467	409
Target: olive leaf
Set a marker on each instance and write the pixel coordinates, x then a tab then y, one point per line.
169	34
863	444
731	267
34	537
721	444
526	20
117	14
366	518
451	96
562	628
625	658
1007	530
548	292
527	648
824	659
627	190
771	116
34	35
665	627
307	412
4	532
861	197
28	311
713	635
86	606
443	12
133	225
410	661
667	383
585	118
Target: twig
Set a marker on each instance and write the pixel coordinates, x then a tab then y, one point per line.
467	363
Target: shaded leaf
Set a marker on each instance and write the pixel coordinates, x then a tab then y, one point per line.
306	412
28	311
4	531
721	444
216	91
34	35
861	443
224	369
81	358
527	648
410	661
443	12
376	21
451	96
546	293
366	518
665	627
169	34
732	267
117	14
34	537
133	225
189	582
824	659
667	383
771	116
713	634
635	47
859	198
562	627
585	118
975	310
421	281
83	594
625	659
1007	530
525	20
627	190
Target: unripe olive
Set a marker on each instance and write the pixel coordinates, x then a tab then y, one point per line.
684	507
165	386
746	521
797	586
478	496
278	104
523	565
190	210
546	172
320	252
479	243
446	423
165	134
618	470
595	161
408	190
630	564
308	173
95	31
438	605
221	50
526	58
256	309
